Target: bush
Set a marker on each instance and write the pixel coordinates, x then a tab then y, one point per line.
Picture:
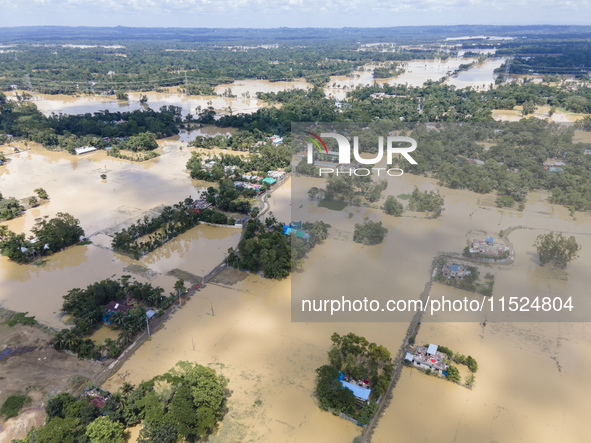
426	201
453	374
471	363
21	318
393	206
446	351
369	233
556	249
12	405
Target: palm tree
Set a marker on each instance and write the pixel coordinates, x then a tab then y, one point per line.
125	336
70	339
119	318
60	340
127	388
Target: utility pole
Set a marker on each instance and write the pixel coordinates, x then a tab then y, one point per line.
148	326
212	313
27	78
192	342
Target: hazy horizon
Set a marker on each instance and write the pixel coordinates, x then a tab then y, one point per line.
291	13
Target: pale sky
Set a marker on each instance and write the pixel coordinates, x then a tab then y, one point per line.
291	13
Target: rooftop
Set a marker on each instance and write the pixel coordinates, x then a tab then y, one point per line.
358	391
117	307
84	149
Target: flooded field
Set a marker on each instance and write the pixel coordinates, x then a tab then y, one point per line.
480	77
245	100
417	72
529	383
529	386
251	340
541	112
130	191
244	92
249	88
188	136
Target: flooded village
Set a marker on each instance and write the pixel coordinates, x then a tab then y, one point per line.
529	378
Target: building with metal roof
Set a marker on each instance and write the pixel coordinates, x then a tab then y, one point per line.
84	150
432	349
358	391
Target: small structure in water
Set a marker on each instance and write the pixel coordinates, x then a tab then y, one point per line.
488	249
84	150
296	228
427	358
455	270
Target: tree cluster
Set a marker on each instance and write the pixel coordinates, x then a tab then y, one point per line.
9	208
369	233
184	403
49	236
356	358
87	308
555	248
426	201
171	222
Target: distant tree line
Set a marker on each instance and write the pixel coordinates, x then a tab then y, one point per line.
136	130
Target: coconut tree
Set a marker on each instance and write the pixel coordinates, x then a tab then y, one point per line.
70	339
118	318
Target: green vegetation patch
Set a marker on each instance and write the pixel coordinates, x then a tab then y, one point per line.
21	318
184	404
333	205
353	359
12	405
369	233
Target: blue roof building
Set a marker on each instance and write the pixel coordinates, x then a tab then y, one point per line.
358	391
490	240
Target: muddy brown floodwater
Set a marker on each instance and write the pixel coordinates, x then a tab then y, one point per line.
130	191
249	88
244	102
532	377
528	386
251	340
417	72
